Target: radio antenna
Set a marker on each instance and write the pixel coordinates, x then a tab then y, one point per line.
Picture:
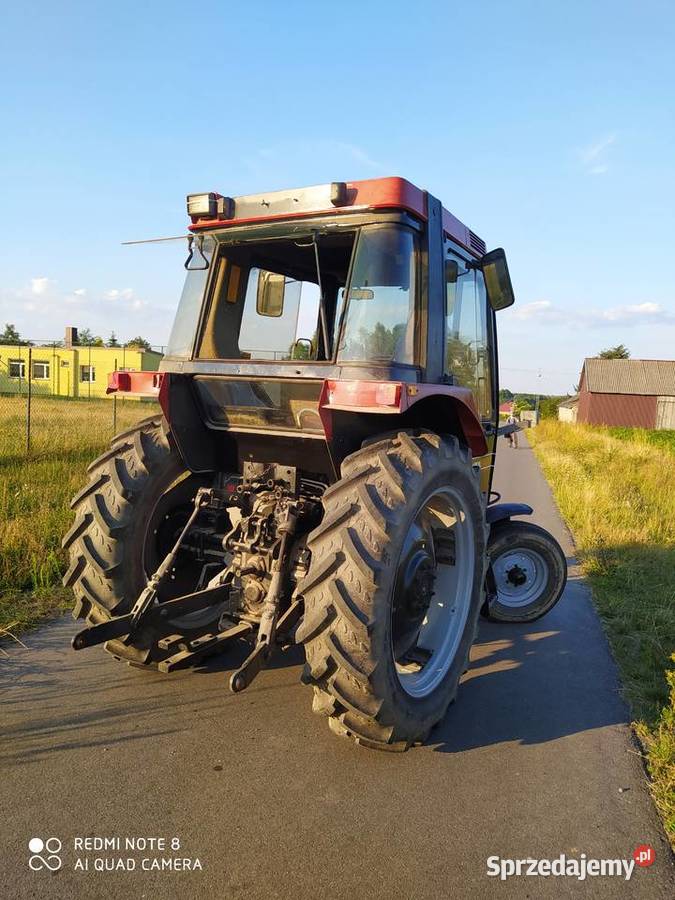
179	237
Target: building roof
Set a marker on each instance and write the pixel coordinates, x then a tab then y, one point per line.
570	403
647	377
506	407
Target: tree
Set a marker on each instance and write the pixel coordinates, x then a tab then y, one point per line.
618	352
10	335
87	339
548	407
521	402
378	342
139	343
504	395
112	340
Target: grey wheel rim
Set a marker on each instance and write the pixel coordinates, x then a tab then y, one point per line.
442	528
520	577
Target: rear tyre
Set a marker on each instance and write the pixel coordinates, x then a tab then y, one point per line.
527	574
138	497
394	588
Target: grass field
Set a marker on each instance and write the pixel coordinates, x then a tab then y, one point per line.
35	493
664	440
616	490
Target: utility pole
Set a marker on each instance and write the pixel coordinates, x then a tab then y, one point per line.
536	403
29	398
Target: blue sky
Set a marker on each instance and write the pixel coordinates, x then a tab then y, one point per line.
547	127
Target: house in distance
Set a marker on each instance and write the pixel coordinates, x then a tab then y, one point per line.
68	368
634	393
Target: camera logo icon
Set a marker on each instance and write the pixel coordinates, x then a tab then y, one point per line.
44	854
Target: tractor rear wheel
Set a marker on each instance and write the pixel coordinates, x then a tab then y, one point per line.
394	589
127	517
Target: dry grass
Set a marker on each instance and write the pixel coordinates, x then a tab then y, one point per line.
35	493
617	493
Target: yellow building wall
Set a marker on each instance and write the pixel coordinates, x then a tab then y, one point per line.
68	368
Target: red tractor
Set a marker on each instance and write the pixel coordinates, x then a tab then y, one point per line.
321	473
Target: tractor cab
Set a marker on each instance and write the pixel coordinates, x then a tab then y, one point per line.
300	305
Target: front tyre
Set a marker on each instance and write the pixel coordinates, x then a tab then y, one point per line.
394	589
527	574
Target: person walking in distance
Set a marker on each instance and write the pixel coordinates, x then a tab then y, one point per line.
512	437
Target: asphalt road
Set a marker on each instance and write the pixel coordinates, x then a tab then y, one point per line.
534	760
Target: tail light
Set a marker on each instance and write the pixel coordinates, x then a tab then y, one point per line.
385	395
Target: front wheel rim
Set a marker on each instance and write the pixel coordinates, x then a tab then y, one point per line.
442	541
520	577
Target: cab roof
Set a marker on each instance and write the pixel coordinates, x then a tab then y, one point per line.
213	210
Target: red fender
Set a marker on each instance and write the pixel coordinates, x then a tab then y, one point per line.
392	397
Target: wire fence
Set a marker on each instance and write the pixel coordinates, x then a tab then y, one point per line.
53	397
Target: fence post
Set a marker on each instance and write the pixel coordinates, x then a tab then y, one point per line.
28	398
115	406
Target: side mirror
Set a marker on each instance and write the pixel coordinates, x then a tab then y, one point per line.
497	279
451	271
302	349
361	294
270	294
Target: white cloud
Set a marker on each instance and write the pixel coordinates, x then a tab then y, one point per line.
357	153
41	311
544	311
637	313
76	297
126	298
538	309
594	156
120	294
313	159
40	285
593	151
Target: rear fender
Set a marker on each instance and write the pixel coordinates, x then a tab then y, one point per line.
353	411
195	443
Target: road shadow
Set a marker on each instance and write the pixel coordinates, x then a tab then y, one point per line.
528	684
535	683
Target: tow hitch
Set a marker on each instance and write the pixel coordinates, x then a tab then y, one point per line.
270	612
265	559
147	609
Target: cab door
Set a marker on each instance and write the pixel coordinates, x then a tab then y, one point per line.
469	357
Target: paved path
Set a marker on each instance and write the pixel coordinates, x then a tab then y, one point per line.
534	760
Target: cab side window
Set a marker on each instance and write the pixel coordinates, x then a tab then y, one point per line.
467	350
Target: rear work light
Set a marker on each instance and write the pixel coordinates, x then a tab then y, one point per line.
210	206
